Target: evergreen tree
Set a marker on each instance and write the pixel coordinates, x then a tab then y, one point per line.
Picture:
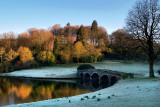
81	34
67	30
56	49
94	32
68	24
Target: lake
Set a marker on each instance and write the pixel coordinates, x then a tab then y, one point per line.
16	91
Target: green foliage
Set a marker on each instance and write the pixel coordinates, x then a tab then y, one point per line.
81	34
56	49
46	58
94	27
94	32
85	66
109	50
87	59
36	48
108	97
68	24
126	75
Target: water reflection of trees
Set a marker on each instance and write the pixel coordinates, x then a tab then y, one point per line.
68	90
21	91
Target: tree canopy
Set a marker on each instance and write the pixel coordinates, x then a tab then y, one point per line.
143	21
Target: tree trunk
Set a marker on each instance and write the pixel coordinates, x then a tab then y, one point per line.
151	56
151	71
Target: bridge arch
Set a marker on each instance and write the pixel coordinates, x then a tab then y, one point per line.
113	80
81	75
95	76
104	81
87	76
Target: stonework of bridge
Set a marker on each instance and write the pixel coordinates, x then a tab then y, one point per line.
100	76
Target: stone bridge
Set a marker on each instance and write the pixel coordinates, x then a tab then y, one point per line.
101	77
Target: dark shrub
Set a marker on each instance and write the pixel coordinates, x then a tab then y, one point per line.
85	66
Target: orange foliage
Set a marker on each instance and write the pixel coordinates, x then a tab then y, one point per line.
24	40
23	91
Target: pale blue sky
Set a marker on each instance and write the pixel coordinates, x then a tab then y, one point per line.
20	15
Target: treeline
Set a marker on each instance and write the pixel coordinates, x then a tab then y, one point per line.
69	44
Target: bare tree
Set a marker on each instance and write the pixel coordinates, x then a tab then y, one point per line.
143	21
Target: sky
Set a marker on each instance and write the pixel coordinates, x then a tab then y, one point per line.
20	15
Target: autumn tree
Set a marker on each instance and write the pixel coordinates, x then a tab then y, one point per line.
8	41
56	30
143	21
78	51
2	51
41	40
25	55
46	58
66	54
24	40
93	54
123	45
102	38
11	55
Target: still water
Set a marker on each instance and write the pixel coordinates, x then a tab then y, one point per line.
16	91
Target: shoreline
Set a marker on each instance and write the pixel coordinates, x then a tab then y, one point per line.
129	92
41	78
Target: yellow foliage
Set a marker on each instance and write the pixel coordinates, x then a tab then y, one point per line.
46	56
79	50
11	55
66	54
25	55
109	50
2	50
45	92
